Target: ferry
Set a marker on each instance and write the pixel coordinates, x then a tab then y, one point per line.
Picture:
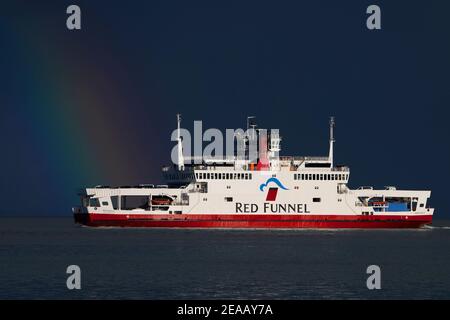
268	191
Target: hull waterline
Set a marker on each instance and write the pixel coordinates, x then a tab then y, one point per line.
262	221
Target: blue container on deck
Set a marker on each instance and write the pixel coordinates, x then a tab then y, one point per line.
397	206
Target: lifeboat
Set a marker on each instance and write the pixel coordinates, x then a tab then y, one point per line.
379	203
161	200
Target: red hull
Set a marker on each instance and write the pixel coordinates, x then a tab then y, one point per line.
251	221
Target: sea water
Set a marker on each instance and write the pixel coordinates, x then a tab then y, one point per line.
127	263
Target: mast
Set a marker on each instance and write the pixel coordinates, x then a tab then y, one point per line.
250	122
330	154
180	145
251	125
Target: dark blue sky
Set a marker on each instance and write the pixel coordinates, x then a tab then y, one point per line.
97	106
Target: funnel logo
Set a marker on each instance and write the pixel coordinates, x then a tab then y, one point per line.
272	192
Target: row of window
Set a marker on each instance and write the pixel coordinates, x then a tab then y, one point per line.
179	176
321	176
248	176
223	176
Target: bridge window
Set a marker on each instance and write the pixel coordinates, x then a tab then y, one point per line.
94	202
114	202
316	199
228	199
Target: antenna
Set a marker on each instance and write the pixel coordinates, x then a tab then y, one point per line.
251	123
180	145
330	154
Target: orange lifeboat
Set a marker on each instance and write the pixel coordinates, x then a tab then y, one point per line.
161	201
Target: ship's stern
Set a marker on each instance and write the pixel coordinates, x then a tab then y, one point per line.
80	215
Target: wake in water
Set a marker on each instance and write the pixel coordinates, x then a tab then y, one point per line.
437	227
